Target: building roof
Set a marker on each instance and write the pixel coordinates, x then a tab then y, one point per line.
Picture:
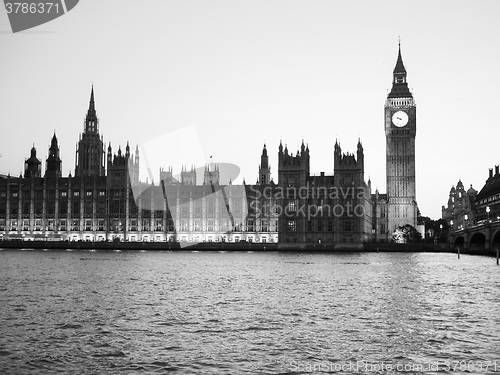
491	187
400	67
400	86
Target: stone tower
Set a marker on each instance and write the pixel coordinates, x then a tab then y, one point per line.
264	168
400	131
293	173
90	147
53	166
32	166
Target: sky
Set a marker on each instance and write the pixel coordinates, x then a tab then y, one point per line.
198	81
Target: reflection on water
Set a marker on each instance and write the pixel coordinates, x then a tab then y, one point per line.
228	313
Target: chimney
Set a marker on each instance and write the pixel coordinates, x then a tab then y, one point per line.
496	169
491	172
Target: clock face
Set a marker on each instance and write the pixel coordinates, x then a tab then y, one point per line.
400	119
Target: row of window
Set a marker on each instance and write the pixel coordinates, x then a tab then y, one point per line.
347	225
137	225
64	193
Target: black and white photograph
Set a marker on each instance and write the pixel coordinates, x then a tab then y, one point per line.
249	187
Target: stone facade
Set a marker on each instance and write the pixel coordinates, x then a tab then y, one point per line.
106	201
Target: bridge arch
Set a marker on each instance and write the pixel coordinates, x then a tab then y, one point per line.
459	243
477	243
495	241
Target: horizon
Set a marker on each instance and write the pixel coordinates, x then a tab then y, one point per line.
196	77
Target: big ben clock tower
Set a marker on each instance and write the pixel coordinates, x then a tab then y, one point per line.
400	131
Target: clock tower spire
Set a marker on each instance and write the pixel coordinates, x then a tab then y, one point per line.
400	132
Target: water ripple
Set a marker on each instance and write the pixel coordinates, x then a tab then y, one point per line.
230	313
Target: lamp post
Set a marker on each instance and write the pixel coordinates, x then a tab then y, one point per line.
466	217
488	212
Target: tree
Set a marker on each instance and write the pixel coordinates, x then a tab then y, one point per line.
406	234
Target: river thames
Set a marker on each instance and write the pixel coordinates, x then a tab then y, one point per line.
85	312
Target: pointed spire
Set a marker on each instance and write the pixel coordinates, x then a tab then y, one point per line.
53	144
92	103
399	68
399	84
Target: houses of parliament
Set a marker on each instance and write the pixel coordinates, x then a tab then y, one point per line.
104	200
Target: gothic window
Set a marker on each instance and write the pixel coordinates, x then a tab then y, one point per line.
347	225
250	225
13	225
265	227
211	207
237	225
158	225
88	225
184	225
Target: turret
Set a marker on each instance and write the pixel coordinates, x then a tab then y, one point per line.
53	162
264	168
32	166
90	148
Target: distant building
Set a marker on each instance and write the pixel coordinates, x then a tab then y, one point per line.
460	213
467	208
326	208
487	203
106	201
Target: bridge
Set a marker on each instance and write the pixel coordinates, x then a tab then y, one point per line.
481	238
